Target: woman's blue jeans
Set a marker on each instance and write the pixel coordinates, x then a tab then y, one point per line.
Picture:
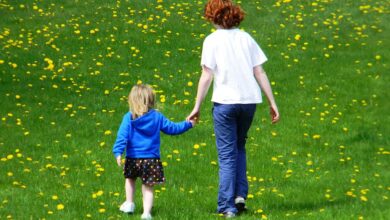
231	125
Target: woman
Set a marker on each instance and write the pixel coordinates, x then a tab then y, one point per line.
232	59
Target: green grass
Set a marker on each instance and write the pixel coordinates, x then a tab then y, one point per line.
328	158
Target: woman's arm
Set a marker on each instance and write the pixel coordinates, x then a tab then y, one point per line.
263	81
203	87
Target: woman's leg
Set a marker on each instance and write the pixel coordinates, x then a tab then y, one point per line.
225	127
147	195
244	122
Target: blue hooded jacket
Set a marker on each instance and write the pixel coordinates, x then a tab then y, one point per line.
141	137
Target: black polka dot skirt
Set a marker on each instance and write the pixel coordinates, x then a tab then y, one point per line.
150	171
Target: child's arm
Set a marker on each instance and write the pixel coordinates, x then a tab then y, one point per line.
263	81
122	138
172	128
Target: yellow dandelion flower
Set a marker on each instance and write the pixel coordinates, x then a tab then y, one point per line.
60	207
99	193
316	136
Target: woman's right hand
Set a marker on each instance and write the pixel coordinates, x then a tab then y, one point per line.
194	115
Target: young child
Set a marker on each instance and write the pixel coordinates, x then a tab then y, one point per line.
139	134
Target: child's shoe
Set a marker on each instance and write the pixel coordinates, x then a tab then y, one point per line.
127	207
146	216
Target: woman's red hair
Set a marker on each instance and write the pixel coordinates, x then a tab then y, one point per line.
223	13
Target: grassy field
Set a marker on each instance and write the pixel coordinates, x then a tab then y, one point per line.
66	68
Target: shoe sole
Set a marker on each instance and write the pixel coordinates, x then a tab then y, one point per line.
241	207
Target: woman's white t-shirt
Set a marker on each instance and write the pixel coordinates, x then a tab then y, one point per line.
231	54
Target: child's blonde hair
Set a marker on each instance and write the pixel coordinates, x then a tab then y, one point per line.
141	100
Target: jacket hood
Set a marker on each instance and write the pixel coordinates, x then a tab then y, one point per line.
147	123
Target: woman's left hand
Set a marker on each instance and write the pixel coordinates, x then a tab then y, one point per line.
274	114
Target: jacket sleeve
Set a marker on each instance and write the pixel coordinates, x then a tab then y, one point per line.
172	128
122	136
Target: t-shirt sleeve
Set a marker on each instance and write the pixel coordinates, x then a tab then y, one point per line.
257	55
208	54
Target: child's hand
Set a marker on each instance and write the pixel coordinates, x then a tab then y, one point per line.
193	122
119	160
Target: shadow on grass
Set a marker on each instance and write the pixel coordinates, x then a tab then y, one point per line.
305	206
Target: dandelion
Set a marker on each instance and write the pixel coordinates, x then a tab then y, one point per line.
50	64
259	211
316	136
60	207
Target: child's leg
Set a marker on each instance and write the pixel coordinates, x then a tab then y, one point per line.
130	189
147	195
